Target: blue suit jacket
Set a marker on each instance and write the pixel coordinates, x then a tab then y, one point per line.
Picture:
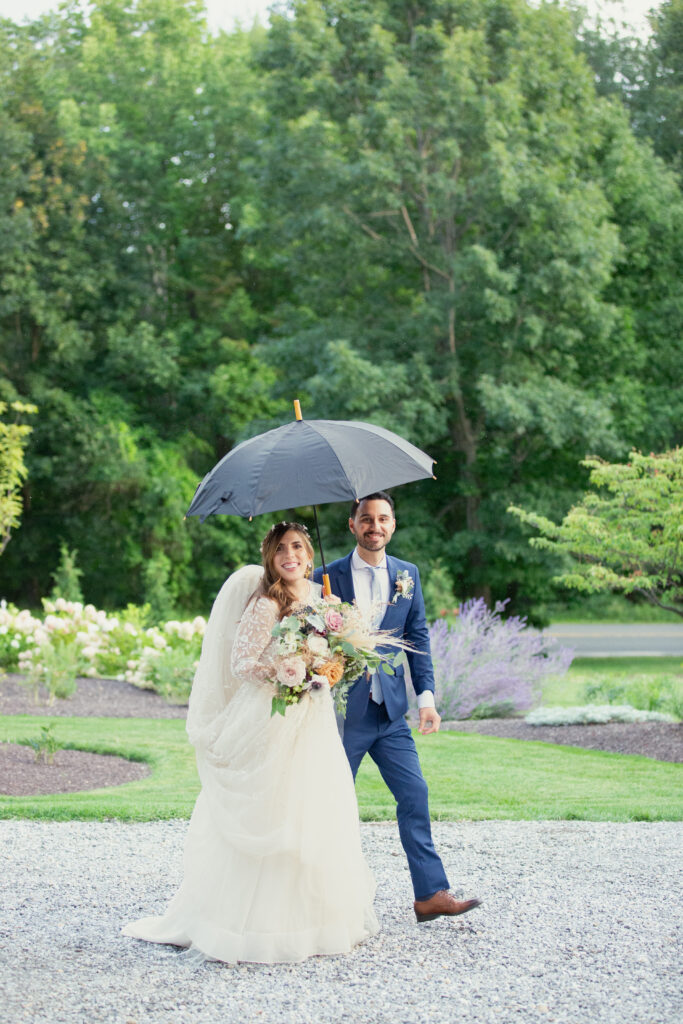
406	619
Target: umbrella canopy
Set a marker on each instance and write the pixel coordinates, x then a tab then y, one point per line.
308	462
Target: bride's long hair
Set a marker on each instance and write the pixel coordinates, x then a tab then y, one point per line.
272	585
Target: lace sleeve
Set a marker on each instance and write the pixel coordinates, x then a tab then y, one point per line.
249	659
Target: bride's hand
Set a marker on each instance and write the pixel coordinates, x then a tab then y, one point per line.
331	599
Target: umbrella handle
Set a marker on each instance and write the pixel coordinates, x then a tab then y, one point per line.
327	589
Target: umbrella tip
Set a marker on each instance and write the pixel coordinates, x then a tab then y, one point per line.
297	409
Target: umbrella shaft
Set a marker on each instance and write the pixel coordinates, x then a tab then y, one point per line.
320	543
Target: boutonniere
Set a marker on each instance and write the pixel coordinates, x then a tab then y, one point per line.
405	585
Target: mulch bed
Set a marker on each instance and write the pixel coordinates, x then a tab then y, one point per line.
76	770
94	698
72	771
662	741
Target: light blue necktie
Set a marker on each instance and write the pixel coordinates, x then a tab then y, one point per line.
377	616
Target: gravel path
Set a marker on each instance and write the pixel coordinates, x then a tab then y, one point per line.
581	923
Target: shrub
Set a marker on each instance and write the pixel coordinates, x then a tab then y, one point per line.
55	665
166	658
648	693
46	745
593	714
438	592
61	647
75	639
170	672
16	634
485	665
120	640
67	577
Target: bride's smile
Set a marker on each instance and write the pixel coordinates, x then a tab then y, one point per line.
291	558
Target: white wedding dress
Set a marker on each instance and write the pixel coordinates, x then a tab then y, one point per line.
273	867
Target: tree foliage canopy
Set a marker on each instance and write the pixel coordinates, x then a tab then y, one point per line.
436	217
627	533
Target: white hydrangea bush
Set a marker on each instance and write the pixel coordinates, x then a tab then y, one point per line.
17	630
92	642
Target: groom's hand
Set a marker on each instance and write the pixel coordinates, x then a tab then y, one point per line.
430	720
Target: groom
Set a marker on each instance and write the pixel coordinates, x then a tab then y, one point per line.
376	706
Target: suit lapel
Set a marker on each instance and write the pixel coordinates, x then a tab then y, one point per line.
345	580
391	570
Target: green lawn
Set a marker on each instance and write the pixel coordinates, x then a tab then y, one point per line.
481	777
567	690
169	791
469	776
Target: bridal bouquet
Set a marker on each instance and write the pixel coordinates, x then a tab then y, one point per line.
322	644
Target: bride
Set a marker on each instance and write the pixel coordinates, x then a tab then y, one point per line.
272	868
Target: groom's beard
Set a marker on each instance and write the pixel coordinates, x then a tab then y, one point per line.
372	545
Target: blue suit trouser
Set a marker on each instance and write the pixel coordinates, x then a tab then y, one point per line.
392	748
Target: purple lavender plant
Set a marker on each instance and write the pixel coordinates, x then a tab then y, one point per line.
485	665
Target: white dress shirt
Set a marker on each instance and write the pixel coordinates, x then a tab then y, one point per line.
361	589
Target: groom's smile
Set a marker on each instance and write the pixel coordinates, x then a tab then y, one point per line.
373	524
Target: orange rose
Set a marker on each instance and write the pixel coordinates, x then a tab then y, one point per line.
332	670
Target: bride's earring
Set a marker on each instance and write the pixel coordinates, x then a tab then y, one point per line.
309	569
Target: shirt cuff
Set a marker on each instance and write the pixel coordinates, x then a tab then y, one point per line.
425	699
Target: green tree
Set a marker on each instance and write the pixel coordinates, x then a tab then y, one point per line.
67	576
658	104
626	534
13	472
124	303
647	76
443	185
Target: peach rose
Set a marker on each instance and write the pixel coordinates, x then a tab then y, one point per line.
333	672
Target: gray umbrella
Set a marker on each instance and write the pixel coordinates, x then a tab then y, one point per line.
308	462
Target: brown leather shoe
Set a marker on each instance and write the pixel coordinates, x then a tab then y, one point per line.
442	904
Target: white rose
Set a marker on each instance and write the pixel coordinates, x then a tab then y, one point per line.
287	644
318	645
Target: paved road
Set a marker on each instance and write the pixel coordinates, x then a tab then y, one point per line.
643	639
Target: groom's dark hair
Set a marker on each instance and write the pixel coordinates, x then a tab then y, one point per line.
377	496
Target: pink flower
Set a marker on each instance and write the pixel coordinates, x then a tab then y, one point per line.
291	671
334	620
